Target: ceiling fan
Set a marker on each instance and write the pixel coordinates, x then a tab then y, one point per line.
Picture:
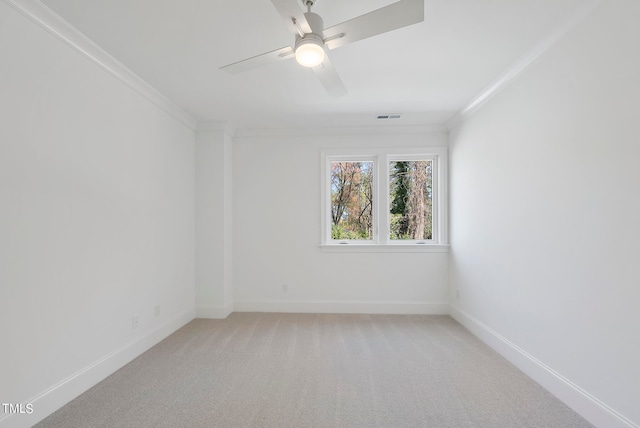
313	41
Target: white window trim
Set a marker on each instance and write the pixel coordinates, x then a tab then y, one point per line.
380	210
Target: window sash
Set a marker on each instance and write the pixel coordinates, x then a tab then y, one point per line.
434	198
328	198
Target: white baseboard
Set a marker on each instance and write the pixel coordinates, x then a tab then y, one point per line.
343	306
214	312
585	404
67	389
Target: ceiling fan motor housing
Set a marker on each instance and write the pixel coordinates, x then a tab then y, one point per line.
315	22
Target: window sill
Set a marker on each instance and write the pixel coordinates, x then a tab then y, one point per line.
390	248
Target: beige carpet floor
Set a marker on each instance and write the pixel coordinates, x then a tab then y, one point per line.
318	370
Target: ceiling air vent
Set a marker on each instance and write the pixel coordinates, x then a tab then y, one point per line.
388	116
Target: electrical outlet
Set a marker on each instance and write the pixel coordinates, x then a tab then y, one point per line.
135	321
157	310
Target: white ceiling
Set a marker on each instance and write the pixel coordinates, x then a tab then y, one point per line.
427	72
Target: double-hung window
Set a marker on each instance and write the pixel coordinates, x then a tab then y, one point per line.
384	199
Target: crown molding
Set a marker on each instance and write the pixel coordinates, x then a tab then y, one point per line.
516	68
216	126
47	19
341	131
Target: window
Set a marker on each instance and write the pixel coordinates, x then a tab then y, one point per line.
384	199
352	200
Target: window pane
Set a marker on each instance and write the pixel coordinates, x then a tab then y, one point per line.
411	196
352	200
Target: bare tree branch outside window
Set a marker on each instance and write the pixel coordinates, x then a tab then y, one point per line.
411	196
352	200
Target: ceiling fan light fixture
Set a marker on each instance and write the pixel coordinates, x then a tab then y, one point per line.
310	50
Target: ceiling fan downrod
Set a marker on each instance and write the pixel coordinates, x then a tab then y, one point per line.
309	4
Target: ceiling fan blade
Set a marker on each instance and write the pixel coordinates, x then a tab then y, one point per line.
292	15
329	78
259	60
388	18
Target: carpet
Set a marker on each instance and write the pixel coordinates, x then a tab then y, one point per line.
318	370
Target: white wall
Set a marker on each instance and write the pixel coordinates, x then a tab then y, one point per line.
544	218
214	286
276	181
96	220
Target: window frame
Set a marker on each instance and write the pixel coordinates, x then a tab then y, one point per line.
381	241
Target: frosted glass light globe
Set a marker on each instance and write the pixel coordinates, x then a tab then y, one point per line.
309	52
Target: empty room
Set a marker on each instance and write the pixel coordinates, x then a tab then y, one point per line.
296	213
